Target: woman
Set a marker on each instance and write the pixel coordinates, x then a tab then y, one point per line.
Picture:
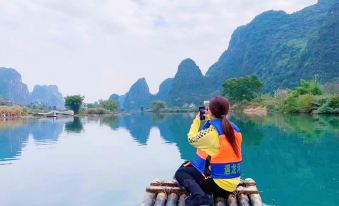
216	167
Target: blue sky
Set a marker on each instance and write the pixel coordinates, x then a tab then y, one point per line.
99	47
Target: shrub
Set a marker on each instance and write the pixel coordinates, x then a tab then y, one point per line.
331	106
158	105
305	103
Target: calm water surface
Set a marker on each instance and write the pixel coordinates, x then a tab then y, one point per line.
109	161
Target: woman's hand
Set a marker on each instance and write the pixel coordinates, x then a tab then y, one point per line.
198	116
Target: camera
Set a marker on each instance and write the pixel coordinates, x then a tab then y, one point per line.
202	110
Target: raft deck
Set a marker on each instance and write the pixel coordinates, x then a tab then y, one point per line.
160	193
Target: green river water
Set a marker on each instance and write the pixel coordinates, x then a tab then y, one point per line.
110	160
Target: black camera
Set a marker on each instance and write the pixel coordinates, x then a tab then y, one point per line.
202	112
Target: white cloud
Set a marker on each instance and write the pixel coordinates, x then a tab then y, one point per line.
98	47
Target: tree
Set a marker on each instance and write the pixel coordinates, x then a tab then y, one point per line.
242	88
74	102
109	105
158	105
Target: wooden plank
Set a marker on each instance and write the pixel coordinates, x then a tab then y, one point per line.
172	199
168	190
256	200
148	199
243	200
182	200
232	200
161	199
220	201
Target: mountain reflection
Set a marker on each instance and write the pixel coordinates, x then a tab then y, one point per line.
173	128
139	126
14	135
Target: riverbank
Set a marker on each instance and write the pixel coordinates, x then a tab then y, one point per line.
303	104
13	112
20	112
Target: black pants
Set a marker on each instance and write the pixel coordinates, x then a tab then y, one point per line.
196	183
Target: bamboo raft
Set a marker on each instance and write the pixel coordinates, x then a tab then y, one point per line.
160	193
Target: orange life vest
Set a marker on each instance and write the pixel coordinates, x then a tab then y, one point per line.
225	164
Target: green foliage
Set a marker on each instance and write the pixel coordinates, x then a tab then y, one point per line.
99	111
305	103
331	106
74	102
158	105
243	88
109	105
312	87
309	98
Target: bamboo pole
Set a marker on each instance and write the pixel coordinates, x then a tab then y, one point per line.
157	189
243	200
256	200
148	199
182	200
161	199
164	183
172	199
220	201
232	200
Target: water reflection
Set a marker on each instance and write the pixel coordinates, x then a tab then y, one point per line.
309	128
173	128
14	135
74	126
46	131
292	157
139	126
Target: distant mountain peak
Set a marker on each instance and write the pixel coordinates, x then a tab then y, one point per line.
188	67
11	86
140	84
138	95
47	95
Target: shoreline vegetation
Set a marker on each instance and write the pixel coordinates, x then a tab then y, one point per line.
245	94
310	97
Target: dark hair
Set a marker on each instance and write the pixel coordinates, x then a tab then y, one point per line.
219	107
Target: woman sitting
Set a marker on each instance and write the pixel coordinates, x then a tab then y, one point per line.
216	167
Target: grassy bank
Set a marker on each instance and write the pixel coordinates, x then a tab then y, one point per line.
12	111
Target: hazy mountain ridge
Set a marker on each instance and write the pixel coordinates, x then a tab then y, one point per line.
11	86
47	95
13	89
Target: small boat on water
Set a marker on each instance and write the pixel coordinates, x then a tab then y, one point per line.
160	193
56	113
